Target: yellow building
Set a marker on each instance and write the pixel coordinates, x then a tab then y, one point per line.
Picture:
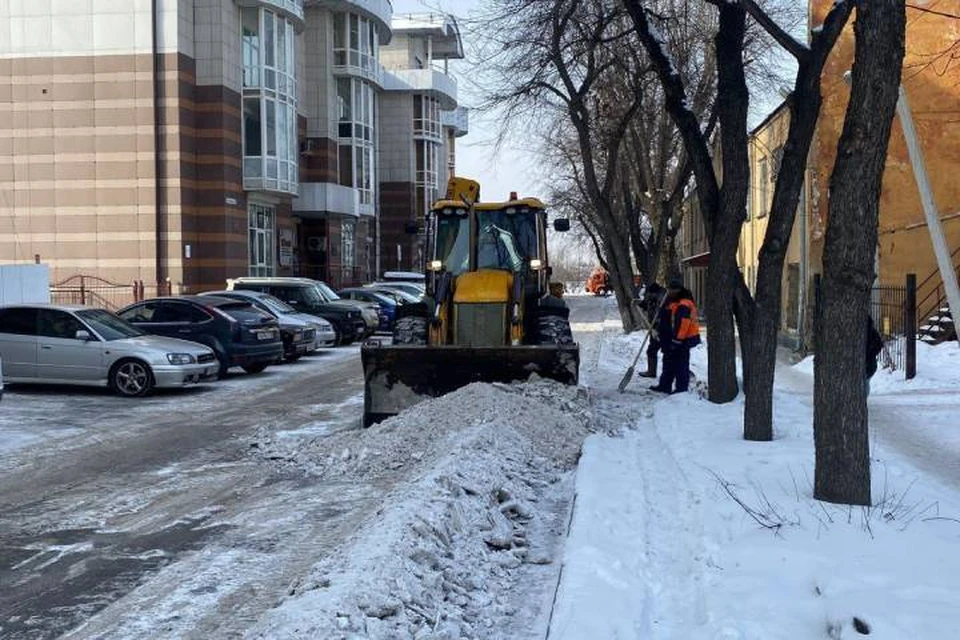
931	79
765	148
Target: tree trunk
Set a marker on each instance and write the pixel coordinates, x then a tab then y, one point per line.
760	357
723	272
840	424
760	327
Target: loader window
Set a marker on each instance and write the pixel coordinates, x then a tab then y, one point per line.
506	240
453	242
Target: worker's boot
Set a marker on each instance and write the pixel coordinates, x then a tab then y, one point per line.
651	371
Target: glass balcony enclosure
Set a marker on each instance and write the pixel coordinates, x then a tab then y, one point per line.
270	145
356	47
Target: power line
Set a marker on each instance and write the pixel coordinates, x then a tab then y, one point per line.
942	14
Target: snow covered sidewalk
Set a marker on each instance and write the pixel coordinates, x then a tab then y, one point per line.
681	529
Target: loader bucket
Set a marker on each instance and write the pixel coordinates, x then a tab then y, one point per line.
399	376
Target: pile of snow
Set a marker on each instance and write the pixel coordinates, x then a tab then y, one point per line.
478	502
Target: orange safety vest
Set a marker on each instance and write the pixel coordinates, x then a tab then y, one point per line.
689	327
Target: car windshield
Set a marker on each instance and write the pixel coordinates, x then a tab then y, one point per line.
243	312
276	305
327	292
108	326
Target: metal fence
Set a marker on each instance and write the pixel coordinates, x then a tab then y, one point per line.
888	308
893	310
97	292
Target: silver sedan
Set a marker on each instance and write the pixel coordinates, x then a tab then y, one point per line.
70	344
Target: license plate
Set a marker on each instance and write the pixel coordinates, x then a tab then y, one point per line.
264	335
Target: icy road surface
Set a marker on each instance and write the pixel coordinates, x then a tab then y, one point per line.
99	493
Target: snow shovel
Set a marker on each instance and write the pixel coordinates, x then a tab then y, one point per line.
628	376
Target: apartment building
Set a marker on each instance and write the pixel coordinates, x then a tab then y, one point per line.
334	235
420	122
183	142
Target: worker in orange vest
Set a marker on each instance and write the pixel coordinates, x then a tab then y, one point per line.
679	331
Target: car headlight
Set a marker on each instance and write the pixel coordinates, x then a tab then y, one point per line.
181	358
323	325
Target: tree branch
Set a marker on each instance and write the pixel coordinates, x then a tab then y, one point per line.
795	48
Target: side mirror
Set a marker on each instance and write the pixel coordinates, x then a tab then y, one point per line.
561	225
83	336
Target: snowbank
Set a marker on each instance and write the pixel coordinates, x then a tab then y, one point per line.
682	529
462	546
938	367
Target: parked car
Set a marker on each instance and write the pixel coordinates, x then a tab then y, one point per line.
369	310
72	344
1	378
239	334
402	297
302	333
412	288
386	303
303	295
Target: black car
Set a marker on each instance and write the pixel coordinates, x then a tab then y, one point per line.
239	334
298	334
303	295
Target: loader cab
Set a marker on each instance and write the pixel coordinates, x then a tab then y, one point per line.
503	236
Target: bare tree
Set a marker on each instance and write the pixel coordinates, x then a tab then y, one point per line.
724	207
842	471
760	317
550	57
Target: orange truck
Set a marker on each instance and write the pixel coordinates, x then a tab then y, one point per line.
599	282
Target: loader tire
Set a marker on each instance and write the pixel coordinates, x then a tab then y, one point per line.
410	330
553	330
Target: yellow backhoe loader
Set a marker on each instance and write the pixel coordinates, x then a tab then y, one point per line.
488	314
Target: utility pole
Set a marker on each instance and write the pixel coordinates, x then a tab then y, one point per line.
940	248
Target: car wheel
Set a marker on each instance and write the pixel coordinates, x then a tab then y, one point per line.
224	366
292	358
131	378
257	367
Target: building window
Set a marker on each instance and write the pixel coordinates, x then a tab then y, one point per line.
426	186
357	107
356	43
348	232
261	225
270	145
426	116
764	181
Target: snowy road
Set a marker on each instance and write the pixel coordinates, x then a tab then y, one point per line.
102	494
195	514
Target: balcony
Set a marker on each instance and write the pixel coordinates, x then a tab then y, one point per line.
458	120
379	10
327	197
270	174
438	84
293	9
371	71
